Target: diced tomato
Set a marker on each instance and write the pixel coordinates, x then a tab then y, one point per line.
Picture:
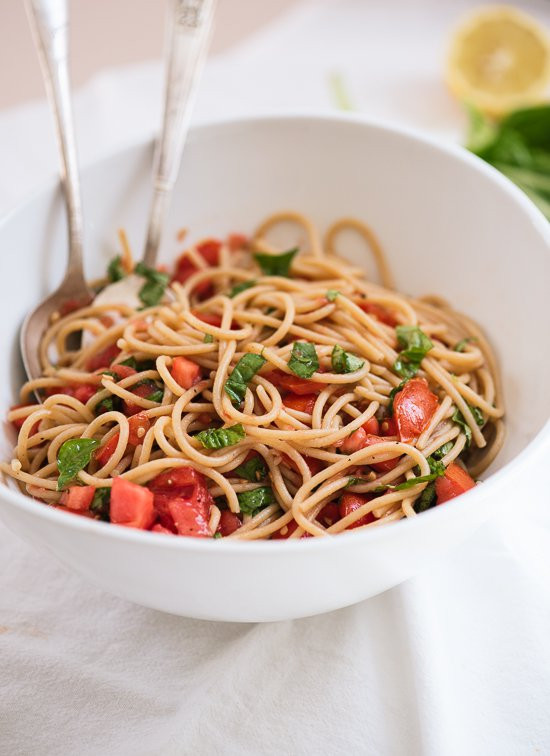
106	320
353	442
388	427
413	408
185	372
185	267
372	426
158	528
287	530
78	497
20	420
211	319
236	241
229	523
455	482
188	519
122	371
106	451
84	391
379	312
144	390
80	513
139	425
292	383
387	464
349	502
181	484
315	465
131	505
301	403
102	359
329	514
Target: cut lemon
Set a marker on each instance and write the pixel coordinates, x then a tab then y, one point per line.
499	60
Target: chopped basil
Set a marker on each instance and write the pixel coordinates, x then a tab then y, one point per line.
108	404
458	418
345	362
218	438
152	290
415	345
101	503
443	450
208	338
251	502
355	482
303	361
139	366
130	362
275	265
426	500
332	294
217	535
437	471
392	394
73	456
115	271
156	395
243	372
436	467
253	470
243	286
461	345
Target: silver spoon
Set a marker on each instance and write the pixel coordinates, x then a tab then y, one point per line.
49	23
190	25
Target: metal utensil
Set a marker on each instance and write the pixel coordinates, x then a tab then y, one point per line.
49	22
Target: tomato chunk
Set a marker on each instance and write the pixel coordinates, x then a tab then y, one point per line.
349	502
102	359
139	425
131	505
379	312
287	530
17	424
304	403
185	372
456	481
413	408
229	523
293	383
106	451
188	519
315	465
386	465
186	487
329	514
122	371
353	442
372	426
209	250
388	427
144	390
211	319
158	528
78	498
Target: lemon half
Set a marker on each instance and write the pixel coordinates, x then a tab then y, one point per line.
499	60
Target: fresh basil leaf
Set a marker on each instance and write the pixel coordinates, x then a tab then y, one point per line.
101	503
332	294
155	284
415	345
72	457
253	470
115	271
217	535
275	265
208	338
218	438
251	502
436	467
243	372
458	418
443	450
461	345
437	471
392	394
156	395
345	362
303	361
478	415
355	481
426	500
243	286
130	362
108	404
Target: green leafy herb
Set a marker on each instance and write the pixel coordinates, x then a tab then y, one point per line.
458	418
156	395
208	338
303	361
108	404
155	284
243	372
392	394
355	482
251	502
461	345
130	362
443	450
436	467
345	362
253	470
426	500
217	535
101	503
115	271
218	438
275	265
243	286
332	294
437	471
73	456
415	345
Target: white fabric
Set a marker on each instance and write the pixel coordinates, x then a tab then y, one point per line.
456	661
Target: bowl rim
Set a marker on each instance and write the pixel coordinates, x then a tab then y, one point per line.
296	546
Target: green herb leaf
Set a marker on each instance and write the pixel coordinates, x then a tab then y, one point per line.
355	482
461	345
73	456
208	338
426	500
115	271
392	394
436	467
130	362
217	535
156	395
253	470
243	372
275	265
437	471
218	438
108	404
251	502
332	294
458	418
303	361
155	284
101	503
443	450
415	345
243	286
345	362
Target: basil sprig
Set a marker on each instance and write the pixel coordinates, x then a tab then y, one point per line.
426	500
251	502
332	294
458	418
392	395
437	471
415	345
352	481
303	360
115	271
218	438
276	265
460	346
345	362
243	286
73	456
155	284
443	450
101	504
243	372
253	470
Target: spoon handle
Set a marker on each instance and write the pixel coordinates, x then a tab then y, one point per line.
49	22
190	25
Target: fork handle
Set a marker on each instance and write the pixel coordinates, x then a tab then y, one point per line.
49	21
190	26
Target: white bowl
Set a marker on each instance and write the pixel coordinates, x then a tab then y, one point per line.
450	225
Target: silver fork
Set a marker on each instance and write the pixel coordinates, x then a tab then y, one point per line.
49	22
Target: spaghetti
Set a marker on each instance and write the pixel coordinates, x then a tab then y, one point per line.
261	394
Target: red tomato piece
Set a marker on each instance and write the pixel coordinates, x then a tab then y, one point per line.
286	531
413	408
181	484
20	420
379	312
106	451
188	519
372	426
292	383
229	523
139	425
78	498
387	464
329	514
102	359
158	528
122	371
349	502
185	372
236	241
301	403
84	391
353	442
209	250
388	427
131	505
211	319
144	390
456	481
315	465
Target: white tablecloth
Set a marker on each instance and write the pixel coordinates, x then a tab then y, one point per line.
456	661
